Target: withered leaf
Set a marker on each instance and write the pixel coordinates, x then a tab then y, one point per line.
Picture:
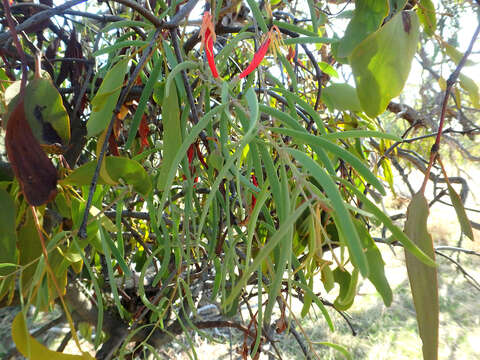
34	170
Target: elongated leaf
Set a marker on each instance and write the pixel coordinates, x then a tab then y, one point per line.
32	349
172	134
266	251
343	154
106	98
471	88
348	288
375	262
343	220
398	234
465	223
423	279
427	16
8	236
367	18
381	63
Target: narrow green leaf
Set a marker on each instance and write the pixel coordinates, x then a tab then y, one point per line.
423	279
398	234
308	40
106	98
266	251
172	133
343	220
465	223
8	236
343	154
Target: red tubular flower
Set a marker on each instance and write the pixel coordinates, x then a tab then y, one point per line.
207	33
254	199
257	58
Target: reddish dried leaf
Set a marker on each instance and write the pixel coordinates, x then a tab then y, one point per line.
143	131
34	170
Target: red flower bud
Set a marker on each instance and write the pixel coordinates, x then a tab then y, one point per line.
257	58
207	33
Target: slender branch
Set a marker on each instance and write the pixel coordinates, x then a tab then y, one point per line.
39	17
450	82
142	11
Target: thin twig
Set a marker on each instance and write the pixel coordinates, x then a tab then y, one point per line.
450	82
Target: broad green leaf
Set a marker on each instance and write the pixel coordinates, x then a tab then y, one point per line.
8	236
348	288
367	18
465	223
343	219
423	278
341	97
471	88
172	134
106	98
381	63
328	69
427	16
375	263
45	112
118	168
29	347
396	5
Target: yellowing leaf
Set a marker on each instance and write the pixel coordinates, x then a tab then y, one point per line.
454	54
381	63
442	83
423	278
427	16
29	347
471	88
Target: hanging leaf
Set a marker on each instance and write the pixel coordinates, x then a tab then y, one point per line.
423	278
8	236
29	347
367	18
465	223
454	54
34	170
106	98
172	134
471	88
375	263
427	17
348	288
381	63
341	97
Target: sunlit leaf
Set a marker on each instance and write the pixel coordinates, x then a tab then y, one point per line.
29	347
471	88
381	63
341	97
367	18
427	16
